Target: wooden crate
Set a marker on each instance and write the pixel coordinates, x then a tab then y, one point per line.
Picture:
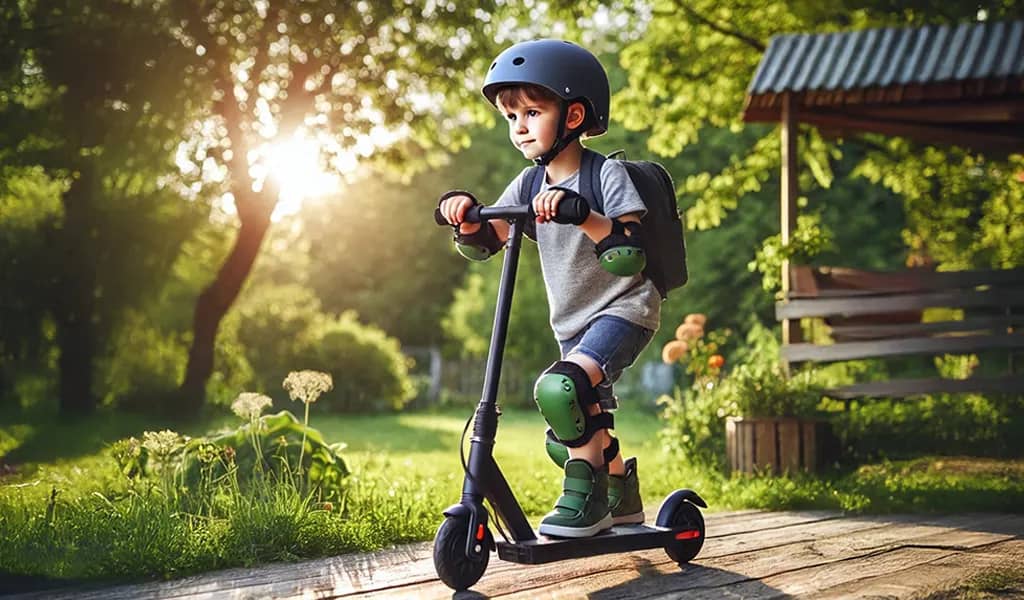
778	444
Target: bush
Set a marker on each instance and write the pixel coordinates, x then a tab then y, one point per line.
945	424
143	366
370	371
283	328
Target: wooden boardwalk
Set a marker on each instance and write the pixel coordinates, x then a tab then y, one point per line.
748	554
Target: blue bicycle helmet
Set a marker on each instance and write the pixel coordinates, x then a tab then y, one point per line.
566	70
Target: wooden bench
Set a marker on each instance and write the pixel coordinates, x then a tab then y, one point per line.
878	315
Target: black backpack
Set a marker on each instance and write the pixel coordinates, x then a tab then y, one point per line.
663	228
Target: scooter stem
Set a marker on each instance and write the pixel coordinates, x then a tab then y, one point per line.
484	478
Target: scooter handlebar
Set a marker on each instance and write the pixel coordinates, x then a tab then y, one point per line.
569	210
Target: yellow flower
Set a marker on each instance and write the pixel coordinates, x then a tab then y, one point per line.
673	351
696	319
689	331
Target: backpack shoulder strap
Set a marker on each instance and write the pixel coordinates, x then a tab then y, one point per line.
529	187
530	184
590	179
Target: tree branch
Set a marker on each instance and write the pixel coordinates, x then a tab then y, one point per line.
746	39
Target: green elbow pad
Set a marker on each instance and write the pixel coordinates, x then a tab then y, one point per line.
624	261
478	253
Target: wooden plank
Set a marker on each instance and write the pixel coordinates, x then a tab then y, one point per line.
901	558
945	574
1000	110
995	324
810	442
731	448
909	280
746	449
889	303
764	446
902	347
764	521
903	388
1002	142
790	459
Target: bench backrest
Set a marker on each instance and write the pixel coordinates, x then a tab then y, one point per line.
878	314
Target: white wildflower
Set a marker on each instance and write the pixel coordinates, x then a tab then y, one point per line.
162	443
307	386
249	405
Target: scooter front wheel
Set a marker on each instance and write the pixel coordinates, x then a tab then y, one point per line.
453	567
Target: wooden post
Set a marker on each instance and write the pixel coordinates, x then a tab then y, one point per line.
788	198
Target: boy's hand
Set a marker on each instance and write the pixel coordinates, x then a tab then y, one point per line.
545	206
453	208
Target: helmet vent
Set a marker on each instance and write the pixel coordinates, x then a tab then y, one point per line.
518	60
493	64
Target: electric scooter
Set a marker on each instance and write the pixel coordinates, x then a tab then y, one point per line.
463	542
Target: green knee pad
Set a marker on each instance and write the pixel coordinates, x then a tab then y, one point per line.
563	394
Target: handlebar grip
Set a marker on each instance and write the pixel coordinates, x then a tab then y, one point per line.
572	210
472	215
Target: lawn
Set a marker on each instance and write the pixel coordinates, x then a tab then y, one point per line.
405	470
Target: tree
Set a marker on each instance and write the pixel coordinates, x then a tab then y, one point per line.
689	72
98	121
344	74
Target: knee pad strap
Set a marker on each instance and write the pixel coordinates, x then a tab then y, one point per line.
558	452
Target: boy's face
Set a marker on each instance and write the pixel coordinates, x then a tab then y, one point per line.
532	125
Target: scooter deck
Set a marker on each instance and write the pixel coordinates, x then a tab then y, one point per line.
621	538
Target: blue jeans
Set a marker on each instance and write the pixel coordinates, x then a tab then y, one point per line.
614	343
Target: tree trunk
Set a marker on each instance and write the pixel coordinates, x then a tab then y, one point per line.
74	308
217	298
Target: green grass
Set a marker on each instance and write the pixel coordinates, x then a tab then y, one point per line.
405	471
1002	582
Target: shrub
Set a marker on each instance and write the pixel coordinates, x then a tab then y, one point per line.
272	326
144	363
370	371
283	328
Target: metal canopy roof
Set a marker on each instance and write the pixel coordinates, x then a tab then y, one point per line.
959	84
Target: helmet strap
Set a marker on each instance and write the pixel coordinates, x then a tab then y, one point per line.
562	140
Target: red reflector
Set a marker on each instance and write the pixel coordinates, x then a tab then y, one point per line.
480	532
688	535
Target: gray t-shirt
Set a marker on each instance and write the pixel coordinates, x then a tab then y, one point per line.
578	288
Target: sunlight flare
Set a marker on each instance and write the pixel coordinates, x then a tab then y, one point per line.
296	165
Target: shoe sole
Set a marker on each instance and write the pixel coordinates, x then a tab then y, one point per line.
576	532
633	519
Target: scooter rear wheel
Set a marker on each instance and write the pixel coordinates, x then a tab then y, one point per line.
689	539
453	567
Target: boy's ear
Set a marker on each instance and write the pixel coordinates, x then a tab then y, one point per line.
575	115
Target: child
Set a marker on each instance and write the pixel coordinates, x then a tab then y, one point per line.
553	92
